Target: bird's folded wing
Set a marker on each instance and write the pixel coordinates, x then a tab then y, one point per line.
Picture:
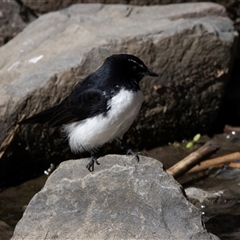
79	106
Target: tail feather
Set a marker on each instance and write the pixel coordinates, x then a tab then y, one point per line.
42	117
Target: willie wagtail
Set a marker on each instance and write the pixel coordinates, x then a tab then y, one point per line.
101	107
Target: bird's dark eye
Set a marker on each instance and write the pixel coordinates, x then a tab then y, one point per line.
134	67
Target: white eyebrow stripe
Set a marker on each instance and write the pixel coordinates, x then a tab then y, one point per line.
129	59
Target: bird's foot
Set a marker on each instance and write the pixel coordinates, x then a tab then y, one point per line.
90	165
131	152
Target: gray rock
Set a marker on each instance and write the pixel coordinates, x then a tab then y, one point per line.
49	5
121	199
189	45
12	20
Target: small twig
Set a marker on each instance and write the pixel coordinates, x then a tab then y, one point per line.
234	165
216	161
9	139
194	158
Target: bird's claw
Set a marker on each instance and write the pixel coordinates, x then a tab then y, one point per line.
131	152
90	165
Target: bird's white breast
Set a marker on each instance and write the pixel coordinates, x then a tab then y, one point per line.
96	131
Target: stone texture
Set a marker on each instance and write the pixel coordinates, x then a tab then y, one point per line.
16	14
48	5
13	19
189	45
219	193
121	199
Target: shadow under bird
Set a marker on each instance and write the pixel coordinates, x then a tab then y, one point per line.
101	107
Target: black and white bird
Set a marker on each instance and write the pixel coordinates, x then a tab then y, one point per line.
101	107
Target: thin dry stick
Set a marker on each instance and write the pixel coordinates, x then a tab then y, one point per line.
215	161
234	164
193	159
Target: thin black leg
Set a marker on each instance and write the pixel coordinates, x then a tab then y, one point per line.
94	159
128	151
133	153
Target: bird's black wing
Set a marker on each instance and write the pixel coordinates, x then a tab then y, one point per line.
41	117
78	106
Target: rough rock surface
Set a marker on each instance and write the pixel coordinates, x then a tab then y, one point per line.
121	199
48	5
189	45
13	19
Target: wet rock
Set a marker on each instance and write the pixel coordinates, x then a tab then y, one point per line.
13	19
219	193
190	46
121	199
218	198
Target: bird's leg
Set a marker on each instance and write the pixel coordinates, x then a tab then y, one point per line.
128	151
133	153
94	159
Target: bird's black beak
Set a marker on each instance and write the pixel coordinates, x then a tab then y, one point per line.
151	73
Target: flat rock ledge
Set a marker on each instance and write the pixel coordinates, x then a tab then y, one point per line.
121	199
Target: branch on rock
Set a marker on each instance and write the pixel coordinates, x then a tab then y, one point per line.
216	162
193	159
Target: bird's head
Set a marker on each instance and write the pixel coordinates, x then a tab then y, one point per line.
128	66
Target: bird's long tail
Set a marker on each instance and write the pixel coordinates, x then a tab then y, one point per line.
42	117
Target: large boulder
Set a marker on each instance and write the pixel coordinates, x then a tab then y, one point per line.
48	5
122	199
191	46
